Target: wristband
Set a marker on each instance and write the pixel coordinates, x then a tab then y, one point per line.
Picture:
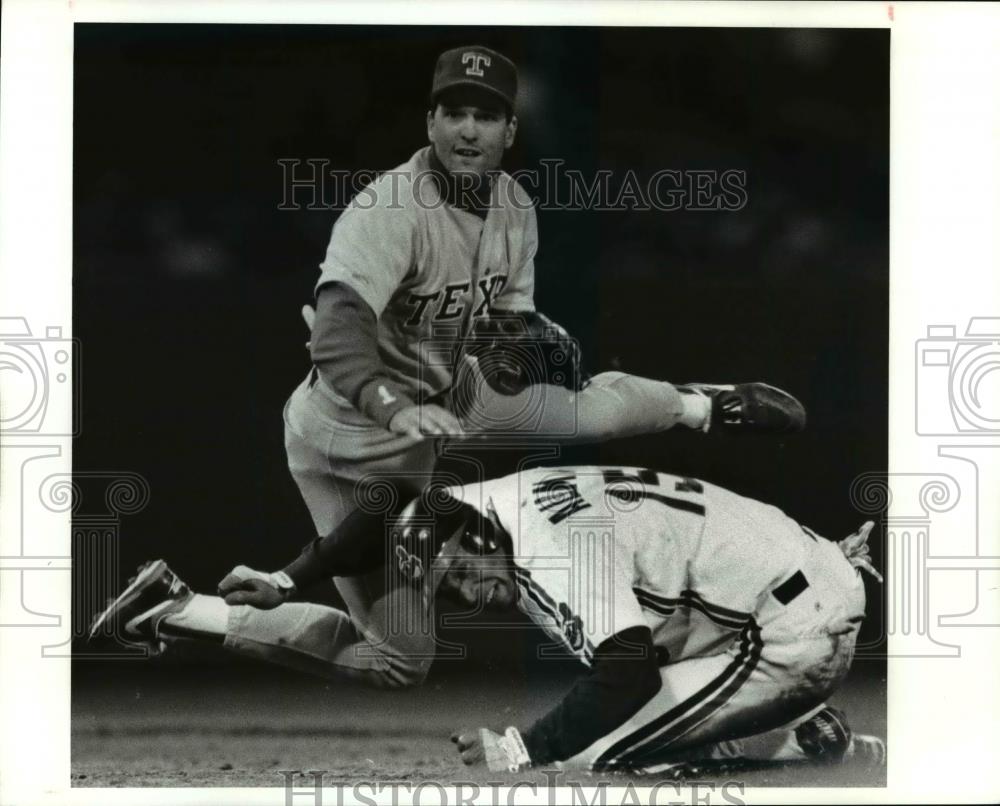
283	582
513	746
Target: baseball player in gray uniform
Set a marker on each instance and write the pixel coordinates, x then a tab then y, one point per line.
433	255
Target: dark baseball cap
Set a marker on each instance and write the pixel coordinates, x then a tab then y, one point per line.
476	66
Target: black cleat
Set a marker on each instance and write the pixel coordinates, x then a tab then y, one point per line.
745	408
154	592
825	736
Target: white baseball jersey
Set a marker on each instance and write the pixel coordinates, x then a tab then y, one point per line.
601	549
428	268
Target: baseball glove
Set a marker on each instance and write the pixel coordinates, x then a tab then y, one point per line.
518	349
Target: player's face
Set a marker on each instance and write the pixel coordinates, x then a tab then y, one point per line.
478	581
469	138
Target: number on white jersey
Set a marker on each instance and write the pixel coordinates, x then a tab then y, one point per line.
618	483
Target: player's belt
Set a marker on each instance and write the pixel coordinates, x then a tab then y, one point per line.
790	588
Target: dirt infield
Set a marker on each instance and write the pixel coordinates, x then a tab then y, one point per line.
142	724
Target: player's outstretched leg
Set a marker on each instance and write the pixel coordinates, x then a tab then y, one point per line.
620	405
616	405
157	610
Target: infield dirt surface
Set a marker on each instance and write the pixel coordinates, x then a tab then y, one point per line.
146	724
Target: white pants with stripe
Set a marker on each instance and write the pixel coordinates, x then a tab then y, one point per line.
786	661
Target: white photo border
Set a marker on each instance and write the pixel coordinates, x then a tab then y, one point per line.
945	254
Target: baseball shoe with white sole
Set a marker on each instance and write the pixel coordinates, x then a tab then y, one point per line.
868	750
152	594
745	408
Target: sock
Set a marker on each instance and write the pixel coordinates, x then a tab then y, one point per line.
697	408
204	617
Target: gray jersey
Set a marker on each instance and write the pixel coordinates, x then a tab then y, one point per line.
428	268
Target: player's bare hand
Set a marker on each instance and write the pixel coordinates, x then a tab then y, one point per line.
470	744
244	585
430	420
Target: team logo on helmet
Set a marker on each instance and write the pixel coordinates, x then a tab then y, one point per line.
410	566
425	540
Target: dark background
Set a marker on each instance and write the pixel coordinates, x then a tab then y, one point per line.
188	279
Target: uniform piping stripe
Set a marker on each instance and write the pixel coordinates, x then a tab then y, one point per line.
722	611
666	606
630	743
697	707
545	602
538	600
529	580
676	731
680	719
694	604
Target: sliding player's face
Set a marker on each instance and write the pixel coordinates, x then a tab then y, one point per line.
479	581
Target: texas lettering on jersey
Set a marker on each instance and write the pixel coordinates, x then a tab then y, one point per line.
447	305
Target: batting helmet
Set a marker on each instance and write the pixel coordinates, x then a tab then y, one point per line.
427	534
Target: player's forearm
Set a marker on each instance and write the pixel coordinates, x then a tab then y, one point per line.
355	546
615	689
344	348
